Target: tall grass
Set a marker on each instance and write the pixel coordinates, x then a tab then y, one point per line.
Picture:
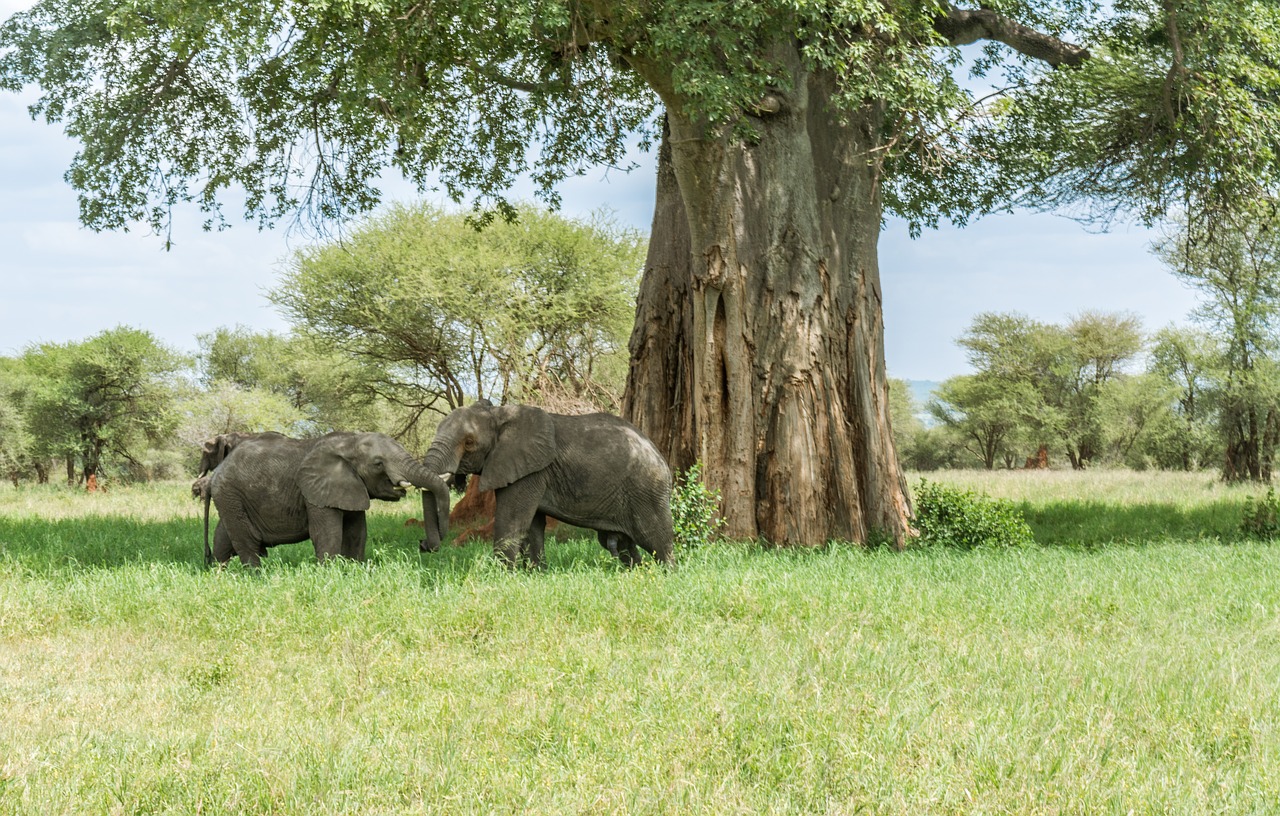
1099	507
1056	680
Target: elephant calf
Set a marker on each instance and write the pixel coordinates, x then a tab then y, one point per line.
276	490
594	471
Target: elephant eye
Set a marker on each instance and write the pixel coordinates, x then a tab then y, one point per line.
470	443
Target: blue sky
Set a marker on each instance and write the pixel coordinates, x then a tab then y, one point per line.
63	282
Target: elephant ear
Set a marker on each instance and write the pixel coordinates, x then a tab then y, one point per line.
213	451
327	479
526	443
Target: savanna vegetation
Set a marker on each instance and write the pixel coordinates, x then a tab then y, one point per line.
1099	390
1128	662
1118	651
786	131
402	320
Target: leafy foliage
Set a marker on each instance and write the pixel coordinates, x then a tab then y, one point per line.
431	311
1187	360
1037	383
15	440
695	510
1179	111
248	359
225	407
99	402
1262	518
954	517
986	414
1235	262
303	106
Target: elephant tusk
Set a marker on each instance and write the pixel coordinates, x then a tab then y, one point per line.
445	477
406	484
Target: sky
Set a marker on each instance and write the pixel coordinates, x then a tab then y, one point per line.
61	282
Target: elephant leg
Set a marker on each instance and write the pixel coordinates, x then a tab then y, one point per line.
354	533
654	532
535	541
620	547
238	532
514	508
609	541
325	524
628	552
222	549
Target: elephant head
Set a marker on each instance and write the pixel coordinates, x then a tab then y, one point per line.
502	444
346	470
214	450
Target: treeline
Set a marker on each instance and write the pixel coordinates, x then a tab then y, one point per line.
1096	389
390	328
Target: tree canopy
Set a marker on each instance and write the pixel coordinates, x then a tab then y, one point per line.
789	130
302	105
432	312
100	400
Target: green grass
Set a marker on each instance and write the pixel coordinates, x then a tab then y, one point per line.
1139	678
1095	508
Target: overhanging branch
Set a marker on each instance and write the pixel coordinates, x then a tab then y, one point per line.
964	26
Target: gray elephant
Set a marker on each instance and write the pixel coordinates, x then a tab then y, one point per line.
594	471
212	452
277	490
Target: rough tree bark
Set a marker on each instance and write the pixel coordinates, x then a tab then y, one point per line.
759	339
780	387
659	395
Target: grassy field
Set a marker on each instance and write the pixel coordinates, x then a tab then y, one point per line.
1130	665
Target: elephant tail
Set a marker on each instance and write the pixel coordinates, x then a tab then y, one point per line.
205	494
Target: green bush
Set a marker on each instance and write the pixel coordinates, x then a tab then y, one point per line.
951	517
1262	520
695	510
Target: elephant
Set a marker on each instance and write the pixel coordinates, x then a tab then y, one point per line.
277	490
212	452
595	471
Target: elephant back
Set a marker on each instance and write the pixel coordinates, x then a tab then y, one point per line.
262	467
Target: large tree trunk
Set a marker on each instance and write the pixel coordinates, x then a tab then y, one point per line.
762	354
659	395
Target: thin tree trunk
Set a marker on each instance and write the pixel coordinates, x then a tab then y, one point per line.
770	363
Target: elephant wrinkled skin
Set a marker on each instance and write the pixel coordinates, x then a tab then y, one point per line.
594	471
276	490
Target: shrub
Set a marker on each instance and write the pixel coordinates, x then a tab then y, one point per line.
695	510
952	517
1262	520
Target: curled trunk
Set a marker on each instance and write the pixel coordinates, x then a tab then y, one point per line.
435	520
435	503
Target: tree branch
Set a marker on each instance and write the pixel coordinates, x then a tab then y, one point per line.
964	26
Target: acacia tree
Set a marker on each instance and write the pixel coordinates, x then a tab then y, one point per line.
102	398
791	128
1235	262
985	412
434	311
1189	361
15	439
1048	379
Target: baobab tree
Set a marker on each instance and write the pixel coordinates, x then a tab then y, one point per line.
786	131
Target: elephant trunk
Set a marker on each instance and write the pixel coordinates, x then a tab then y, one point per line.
435	504
440	462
